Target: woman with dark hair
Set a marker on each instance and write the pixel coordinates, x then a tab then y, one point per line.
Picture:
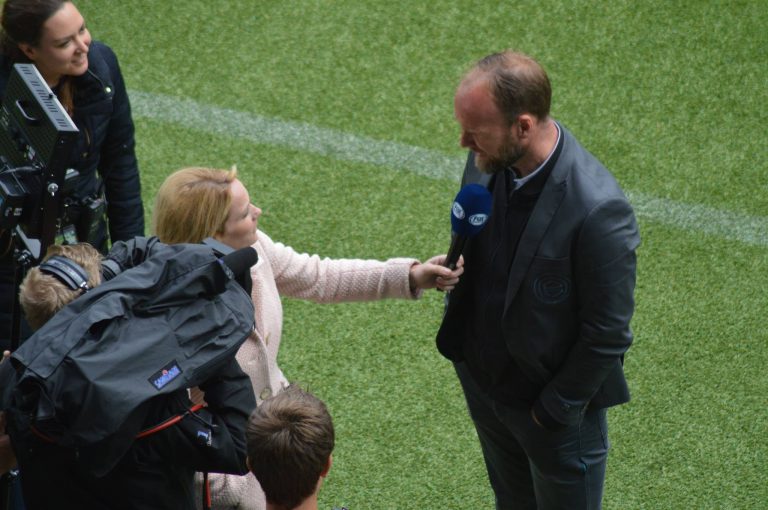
85	76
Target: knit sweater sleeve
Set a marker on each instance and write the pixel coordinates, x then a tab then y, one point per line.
231	492
325	280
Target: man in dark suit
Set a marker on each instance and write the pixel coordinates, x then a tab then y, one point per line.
538	326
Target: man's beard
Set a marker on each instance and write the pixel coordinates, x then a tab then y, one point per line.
510	154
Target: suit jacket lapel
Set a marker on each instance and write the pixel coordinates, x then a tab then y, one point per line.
544	210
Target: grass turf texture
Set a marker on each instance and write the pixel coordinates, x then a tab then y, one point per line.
669	95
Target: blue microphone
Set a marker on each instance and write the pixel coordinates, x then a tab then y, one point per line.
469	214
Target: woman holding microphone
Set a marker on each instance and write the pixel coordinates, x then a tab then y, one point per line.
196	203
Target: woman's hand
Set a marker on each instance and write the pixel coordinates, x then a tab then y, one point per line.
433	274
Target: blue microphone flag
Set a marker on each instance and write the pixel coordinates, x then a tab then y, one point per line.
471	210
469	213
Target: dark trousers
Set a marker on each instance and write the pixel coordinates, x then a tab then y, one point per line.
532	468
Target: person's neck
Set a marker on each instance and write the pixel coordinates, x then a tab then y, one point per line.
541	146
53	81
308	504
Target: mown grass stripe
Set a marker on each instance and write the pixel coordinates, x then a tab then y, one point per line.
699	218
730	225
294	135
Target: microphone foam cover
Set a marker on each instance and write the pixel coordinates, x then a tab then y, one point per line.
471	210
240	261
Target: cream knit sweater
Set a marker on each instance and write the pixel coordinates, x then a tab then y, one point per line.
281	271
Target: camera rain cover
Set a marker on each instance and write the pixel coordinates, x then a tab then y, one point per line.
169	323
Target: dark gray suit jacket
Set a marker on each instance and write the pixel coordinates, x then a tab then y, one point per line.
569	297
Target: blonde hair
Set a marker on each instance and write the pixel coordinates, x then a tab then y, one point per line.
192	204
42	295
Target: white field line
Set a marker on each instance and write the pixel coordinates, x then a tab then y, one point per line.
735	226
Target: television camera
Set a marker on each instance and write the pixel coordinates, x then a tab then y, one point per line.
37	139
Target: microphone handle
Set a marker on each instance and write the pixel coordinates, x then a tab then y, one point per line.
457	246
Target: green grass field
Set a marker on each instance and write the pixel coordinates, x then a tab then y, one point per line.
339	117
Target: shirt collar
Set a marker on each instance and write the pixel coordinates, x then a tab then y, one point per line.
521	181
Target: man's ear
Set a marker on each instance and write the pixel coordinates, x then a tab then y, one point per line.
524	124
327	467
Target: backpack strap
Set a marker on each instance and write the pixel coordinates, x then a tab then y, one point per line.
206	492
173	420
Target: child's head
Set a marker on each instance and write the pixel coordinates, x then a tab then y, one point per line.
290	439
42	294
